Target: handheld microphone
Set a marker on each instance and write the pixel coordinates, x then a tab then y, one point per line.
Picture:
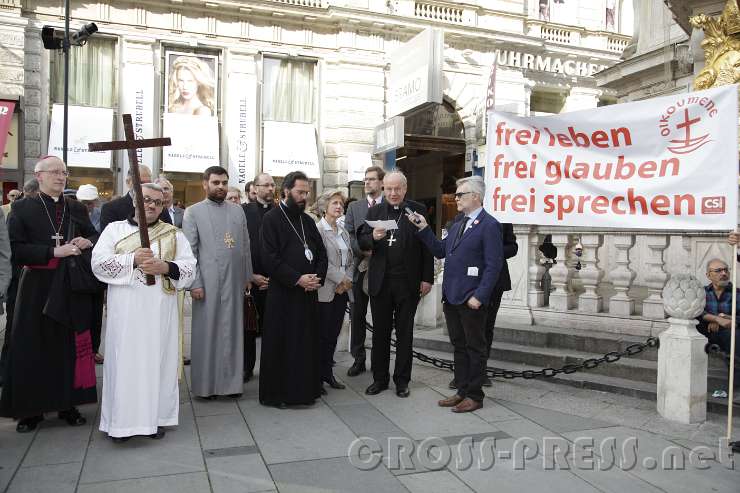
411	213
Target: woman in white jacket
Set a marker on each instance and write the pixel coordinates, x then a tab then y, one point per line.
337	288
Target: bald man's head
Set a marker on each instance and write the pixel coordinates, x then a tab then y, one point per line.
145	173
47	163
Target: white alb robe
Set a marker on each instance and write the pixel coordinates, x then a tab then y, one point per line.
140	387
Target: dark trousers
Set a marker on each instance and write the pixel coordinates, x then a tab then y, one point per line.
393	307
722	338
493	306
331	316
250	338
467	328
359	314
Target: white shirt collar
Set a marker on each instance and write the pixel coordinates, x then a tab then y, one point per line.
377	201
474	215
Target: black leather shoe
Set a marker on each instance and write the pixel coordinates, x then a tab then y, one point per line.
120	439
72	417
453	384
487	382
333	383
235	396
376	388
159	434
402	391
357	367
27	425
186	361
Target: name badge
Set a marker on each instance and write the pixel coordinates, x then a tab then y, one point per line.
473	271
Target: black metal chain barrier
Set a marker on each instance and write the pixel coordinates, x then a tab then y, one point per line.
492	372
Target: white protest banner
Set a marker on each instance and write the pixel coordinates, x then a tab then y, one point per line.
138	101
664	163
241	127
194	142
289	147
86	124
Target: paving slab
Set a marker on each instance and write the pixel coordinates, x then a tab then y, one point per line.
434	482
13	447
222	405
223	430
287	435
57	478
239	474
554	420
59	444
177	483
332	475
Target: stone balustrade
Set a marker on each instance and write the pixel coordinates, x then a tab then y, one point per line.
601	279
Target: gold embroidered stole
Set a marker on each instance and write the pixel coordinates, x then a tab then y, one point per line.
165	236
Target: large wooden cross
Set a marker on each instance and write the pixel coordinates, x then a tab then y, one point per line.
131	145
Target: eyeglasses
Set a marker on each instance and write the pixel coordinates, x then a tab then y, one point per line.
55	172
460	195
156	202
721	270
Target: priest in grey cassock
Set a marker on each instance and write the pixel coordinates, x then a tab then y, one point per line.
140	390
294	257
217	232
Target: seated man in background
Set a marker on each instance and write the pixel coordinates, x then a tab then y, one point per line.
716	321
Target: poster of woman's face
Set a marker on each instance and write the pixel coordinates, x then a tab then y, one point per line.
191	83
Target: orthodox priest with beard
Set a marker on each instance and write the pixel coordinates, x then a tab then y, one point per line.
295	260
50	361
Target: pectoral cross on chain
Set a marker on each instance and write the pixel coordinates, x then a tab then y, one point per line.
58	238
229	240
392	239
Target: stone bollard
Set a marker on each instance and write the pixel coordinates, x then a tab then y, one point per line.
682	362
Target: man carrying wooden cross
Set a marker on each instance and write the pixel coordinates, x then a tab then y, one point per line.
140	390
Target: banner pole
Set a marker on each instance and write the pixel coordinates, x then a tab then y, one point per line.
731	384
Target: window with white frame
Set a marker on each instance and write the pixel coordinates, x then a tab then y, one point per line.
289	90
92	74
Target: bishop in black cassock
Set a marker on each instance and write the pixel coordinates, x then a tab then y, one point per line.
50	361
291	248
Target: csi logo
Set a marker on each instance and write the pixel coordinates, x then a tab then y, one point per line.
713	205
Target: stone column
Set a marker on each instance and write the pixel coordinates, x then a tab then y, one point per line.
591	275
656	277
621	304
582	98
535	294
562	298
682	362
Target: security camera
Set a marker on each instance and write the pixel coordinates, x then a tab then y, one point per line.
53	39
80	37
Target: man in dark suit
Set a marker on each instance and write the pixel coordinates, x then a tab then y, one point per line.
175	213
123	207
354	219
401	272
255	211
473	253
504	284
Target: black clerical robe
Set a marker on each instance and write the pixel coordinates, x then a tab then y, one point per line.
289	364
49	365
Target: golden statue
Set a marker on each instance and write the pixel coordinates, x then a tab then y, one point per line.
721	47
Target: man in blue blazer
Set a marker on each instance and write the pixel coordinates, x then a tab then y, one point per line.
473	253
